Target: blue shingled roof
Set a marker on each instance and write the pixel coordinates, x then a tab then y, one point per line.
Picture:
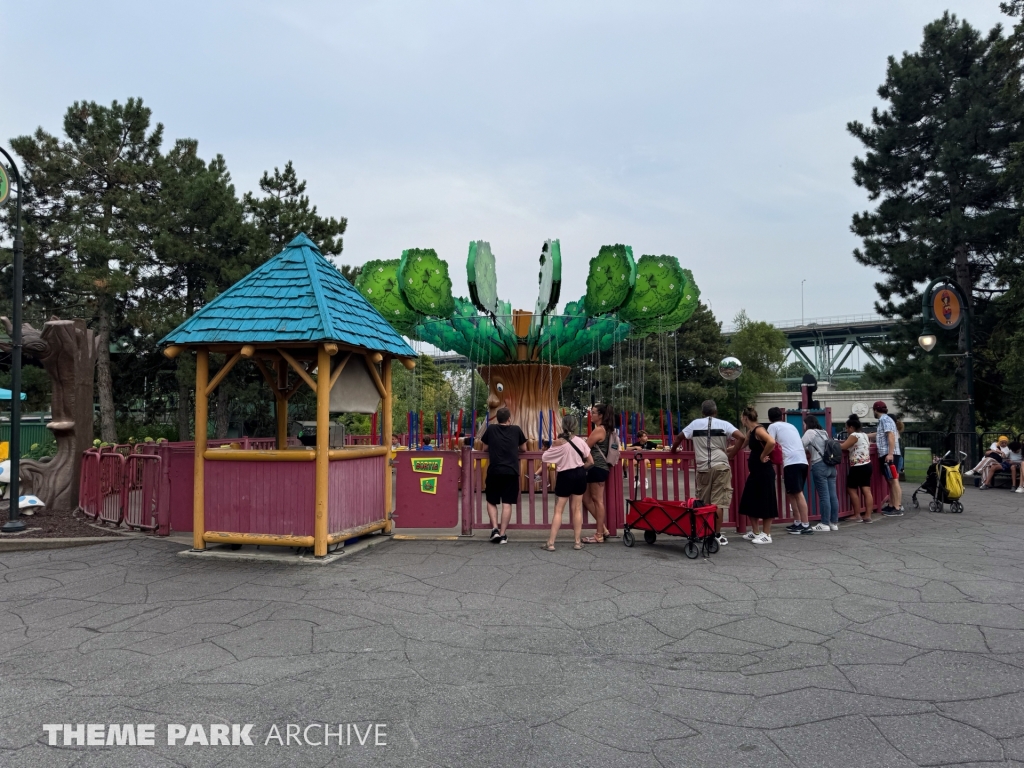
296	296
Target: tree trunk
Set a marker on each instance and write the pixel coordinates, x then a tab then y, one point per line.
527	390
221	429
184	411
67	349
104	381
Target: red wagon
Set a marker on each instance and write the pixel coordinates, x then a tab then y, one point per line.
690	519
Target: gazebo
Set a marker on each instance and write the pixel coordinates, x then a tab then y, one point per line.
296	314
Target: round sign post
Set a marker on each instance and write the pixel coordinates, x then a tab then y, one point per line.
5	185
946	308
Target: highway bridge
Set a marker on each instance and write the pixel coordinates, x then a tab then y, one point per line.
825	344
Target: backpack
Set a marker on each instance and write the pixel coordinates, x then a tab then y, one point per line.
833	453
954	484
614	449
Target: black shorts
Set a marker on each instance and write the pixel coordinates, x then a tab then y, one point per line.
859	476
794	476
885	467
502	489
571	482
597	475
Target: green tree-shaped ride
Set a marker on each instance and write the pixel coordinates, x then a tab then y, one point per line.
524	356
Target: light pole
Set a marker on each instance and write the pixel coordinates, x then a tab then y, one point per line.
802	300
13	524
954	310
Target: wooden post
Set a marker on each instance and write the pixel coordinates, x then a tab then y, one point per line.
281	404
385	369
202	418
323	446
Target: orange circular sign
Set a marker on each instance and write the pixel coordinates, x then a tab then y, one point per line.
946	308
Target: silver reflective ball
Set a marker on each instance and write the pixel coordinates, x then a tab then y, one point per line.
730	368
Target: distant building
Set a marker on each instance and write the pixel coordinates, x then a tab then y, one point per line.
842	403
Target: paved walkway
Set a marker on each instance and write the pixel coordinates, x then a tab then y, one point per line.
896	644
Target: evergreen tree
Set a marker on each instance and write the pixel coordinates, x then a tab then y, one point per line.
936	164
88	216
284	211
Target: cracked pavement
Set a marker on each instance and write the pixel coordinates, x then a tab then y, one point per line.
895	644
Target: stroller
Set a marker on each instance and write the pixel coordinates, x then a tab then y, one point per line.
944	483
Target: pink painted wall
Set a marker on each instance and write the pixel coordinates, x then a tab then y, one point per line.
275	497
355	493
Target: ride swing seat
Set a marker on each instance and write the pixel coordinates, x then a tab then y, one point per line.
691	519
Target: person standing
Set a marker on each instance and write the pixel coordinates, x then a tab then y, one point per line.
599	441
758	501
715	442
504	441
794	469
887	441
858	479
824	475
571	456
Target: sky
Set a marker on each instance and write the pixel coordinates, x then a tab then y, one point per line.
714	132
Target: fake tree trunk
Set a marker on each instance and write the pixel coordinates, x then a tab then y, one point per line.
527	390
67	350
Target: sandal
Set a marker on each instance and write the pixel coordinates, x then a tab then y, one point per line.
578	545
548	547
595	539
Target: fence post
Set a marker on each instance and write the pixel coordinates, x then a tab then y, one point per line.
467	491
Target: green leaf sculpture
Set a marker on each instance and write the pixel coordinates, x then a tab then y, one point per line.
659	286
610	280
483	277
378	283
687	305
424	281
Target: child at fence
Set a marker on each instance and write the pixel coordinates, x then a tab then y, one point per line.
571	456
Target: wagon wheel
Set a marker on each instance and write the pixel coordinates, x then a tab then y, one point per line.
691	550
628	539
934	506
650	537
956	507
711	545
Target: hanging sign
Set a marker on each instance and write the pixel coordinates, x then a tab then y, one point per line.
5	185
428	485
428	466
946	307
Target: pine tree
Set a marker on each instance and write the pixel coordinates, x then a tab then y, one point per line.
89	209
936	165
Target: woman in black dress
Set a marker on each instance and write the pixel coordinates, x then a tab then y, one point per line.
758	501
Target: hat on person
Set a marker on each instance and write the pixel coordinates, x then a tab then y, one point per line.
1003	437
880	406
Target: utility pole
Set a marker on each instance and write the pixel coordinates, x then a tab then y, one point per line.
14	524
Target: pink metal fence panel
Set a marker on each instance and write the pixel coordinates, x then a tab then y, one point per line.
89	484
111	487
142	476
355	495
261	497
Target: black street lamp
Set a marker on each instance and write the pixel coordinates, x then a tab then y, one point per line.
14	524
954	309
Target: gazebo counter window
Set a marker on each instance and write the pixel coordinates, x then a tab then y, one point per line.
294	497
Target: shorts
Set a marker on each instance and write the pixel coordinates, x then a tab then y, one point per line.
714	486
794	476
502	489
859	476
898	461
597	475
571	482
1006	466
885	467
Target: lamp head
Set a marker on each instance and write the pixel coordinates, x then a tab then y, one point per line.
927	341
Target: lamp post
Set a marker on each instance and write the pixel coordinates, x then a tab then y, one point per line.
14	524
730	369
954	310
802	300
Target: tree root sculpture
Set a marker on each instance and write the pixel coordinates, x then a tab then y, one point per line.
67	350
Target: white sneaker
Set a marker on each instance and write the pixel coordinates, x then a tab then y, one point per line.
750	535
1019	489
722	541
764	538
822	528
833	526
969	473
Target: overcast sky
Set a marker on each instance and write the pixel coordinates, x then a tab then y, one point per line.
711	131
